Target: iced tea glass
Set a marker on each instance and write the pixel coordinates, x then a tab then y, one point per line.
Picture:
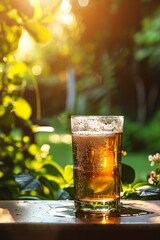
97	154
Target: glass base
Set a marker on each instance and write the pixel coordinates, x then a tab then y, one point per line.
97	207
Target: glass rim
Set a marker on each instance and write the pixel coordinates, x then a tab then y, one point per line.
97	123
95	116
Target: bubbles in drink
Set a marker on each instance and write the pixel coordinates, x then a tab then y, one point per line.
97	158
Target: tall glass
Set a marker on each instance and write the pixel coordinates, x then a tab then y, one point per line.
97	153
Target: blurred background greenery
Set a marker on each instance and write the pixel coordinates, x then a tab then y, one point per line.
64	57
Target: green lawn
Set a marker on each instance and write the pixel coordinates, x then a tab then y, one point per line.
62	154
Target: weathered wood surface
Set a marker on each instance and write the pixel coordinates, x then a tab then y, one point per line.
56	220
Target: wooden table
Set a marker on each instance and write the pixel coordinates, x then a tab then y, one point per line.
49	220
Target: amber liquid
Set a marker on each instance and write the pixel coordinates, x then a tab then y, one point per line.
97	171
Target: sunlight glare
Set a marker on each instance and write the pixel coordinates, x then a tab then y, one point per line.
25	47
57	29
6	216
66	6
25	42
67	19
36	70
33	2
44	129
65	15
83	3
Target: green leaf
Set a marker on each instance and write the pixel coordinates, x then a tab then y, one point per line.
68	174
46	13
22	109
28	197
143	53
2	110
70	190
62	194
16	134
52	186
16	72
33	149
23	7
53	170
38	31
26	182
157	170
128	174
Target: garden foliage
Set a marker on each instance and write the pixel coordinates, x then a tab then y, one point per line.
26	169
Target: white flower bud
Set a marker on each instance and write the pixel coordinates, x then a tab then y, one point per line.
150	158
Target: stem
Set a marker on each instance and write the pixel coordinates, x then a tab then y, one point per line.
38	101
